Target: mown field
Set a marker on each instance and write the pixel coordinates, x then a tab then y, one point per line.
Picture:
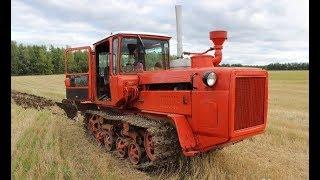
48	145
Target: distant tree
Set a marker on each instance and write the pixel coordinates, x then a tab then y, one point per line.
236	65
56	56
71	65
44	63
14	58
24	60
225	65
274	66
81	61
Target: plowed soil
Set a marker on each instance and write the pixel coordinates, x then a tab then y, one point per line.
26	100
31	101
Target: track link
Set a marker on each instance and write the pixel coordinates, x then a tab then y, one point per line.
164	136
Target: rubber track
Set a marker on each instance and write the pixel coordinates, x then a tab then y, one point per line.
166	143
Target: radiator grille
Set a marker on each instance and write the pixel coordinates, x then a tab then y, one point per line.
249	102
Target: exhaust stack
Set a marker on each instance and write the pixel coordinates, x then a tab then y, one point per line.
179	30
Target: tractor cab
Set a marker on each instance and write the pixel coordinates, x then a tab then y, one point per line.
121	54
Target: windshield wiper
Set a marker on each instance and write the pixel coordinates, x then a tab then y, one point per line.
143	48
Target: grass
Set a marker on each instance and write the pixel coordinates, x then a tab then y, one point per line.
49	145
45	145
49	86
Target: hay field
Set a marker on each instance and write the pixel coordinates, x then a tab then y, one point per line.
50	145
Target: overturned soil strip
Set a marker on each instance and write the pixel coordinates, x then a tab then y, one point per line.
26	100
31	101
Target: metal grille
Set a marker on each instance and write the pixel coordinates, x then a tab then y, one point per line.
249	102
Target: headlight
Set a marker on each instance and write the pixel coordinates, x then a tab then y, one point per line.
209	78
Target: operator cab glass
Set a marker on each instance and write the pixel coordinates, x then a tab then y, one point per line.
142	54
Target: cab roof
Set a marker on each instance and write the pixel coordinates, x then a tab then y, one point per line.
133	33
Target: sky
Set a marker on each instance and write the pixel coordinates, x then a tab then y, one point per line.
259	31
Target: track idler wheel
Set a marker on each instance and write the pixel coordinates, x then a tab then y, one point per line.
93	125
109	141
90	125
100	138
121	147
135	153
149	146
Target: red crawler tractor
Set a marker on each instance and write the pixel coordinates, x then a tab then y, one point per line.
145	107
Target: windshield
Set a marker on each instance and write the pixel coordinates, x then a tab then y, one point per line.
143	55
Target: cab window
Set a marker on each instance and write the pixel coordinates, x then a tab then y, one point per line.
143	55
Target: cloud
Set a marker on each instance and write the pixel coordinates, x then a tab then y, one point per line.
259	31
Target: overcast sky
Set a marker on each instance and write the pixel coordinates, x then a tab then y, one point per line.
259	32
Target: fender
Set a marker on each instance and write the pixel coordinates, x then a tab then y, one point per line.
186	138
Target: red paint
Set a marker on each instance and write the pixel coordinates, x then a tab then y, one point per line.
186	136
204	116
218	38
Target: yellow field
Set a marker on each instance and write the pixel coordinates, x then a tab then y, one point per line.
50	145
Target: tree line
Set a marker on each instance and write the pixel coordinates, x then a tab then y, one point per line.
35	59
40	59
274	66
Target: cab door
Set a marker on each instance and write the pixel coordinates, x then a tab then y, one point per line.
78	76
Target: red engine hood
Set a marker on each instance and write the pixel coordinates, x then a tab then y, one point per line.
183	75
167	76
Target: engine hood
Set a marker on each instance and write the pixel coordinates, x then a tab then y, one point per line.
165	76
185	75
